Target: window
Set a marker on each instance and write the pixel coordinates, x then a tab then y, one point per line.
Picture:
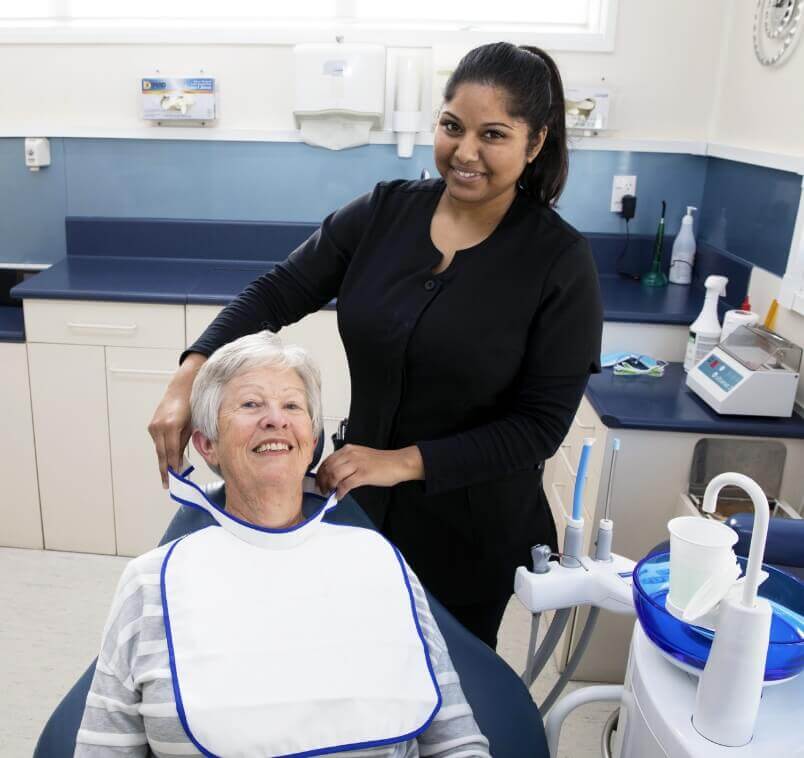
556	24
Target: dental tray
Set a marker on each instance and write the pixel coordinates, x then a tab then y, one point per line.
689	644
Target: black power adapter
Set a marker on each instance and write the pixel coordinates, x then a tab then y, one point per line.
629	207
628	211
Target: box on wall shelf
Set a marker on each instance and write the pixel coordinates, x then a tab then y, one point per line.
178	99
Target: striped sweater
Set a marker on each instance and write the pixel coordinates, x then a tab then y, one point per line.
131	711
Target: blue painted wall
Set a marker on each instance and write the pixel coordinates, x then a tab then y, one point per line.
297	182
750	211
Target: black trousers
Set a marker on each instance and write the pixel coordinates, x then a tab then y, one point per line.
483	619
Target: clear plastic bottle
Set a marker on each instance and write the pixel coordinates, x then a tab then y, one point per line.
705	330
682	258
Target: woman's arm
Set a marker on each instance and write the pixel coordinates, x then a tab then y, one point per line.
308	279
454	733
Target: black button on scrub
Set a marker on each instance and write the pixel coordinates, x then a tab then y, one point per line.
429	284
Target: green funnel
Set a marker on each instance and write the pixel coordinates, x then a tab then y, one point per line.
656	277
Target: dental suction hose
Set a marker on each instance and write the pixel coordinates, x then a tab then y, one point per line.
730	687
573	535
551	638
572	663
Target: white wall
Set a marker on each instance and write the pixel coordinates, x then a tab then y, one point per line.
663	72
760	108
663	69
757	107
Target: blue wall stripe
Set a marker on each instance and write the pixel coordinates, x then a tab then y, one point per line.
32	205
750	211
747	210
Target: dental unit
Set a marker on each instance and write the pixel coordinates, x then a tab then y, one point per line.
716	677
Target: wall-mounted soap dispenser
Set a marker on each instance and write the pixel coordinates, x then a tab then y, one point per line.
339	93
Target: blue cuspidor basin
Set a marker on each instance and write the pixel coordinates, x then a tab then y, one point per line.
690	644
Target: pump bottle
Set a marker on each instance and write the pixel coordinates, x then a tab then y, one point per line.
682	257
705	330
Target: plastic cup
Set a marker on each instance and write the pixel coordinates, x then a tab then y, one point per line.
699	547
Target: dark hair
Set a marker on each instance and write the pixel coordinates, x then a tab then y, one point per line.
530	78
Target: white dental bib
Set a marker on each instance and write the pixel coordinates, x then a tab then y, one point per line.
292	642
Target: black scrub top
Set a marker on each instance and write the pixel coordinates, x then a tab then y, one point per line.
481	366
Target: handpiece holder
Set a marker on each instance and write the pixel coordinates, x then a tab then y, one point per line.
730	687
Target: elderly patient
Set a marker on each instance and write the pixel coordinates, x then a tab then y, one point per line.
271	632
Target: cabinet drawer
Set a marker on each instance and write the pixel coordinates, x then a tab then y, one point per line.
79	322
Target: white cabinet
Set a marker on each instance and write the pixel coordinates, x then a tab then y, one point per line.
97	371
80	322
136	379
318	334
68	395
20	517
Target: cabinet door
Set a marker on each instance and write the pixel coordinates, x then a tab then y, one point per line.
68	396
20	517
136	380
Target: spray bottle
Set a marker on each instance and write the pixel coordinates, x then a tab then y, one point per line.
682	257
705	330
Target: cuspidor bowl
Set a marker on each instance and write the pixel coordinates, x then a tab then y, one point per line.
689	644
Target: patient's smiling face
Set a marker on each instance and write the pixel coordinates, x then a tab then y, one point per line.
265	433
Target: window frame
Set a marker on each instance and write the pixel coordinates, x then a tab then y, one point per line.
197	31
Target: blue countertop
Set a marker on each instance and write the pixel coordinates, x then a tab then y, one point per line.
210	262
12	326
186	280
152	280
665	404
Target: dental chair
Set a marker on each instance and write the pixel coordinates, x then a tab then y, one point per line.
502	705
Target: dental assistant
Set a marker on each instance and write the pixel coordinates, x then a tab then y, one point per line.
471	318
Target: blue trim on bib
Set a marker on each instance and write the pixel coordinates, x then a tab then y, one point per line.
317	751
228	515
171	658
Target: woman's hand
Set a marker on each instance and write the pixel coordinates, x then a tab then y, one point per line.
170	425
354	466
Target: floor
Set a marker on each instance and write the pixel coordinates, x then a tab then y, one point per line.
53	609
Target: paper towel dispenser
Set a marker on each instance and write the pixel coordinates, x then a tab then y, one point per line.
339	93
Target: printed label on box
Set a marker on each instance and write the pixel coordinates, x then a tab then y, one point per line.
166	99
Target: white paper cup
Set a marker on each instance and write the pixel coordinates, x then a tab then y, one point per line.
699	547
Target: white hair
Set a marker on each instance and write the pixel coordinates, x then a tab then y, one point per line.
262	349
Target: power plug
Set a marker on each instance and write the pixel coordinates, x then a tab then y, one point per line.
629	207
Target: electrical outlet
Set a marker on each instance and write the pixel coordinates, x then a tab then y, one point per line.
621	185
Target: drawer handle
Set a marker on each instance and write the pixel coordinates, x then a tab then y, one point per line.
555	487
573	472
103	327
142	371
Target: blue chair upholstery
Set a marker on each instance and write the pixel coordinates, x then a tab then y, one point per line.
785	546
501	703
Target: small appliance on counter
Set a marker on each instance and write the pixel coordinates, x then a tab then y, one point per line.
753	372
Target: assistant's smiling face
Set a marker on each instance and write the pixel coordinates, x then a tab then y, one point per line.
479	149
